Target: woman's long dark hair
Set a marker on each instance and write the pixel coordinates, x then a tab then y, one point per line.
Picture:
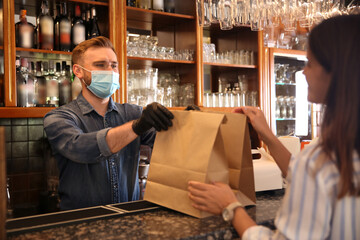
335	43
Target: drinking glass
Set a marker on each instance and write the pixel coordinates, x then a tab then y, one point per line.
200	12
226	18
214	11
207	13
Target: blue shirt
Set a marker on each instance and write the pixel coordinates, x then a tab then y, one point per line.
90	174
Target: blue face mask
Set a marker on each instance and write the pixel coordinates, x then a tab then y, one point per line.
103	83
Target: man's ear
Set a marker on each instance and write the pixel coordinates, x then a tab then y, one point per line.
78	71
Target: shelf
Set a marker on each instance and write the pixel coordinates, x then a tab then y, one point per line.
42	51
229	65
24	112
139	62
156	17
285	84
285	119
90	2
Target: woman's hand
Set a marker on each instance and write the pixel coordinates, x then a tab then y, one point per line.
257	120
211	198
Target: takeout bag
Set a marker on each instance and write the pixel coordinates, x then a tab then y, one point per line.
195	149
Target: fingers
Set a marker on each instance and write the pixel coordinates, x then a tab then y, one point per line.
158	116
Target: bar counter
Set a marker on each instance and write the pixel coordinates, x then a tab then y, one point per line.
139	220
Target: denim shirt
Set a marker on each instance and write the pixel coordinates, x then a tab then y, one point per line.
90	174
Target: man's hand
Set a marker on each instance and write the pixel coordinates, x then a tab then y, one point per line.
192	107
154	115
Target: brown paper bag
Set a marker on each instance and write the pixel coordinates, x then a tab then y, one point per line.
236	140
195	148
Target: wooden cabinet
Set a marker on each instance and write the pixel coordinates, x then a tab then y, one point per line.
178	30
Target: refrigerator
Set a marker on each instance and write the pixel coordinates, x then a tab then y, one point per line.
290	112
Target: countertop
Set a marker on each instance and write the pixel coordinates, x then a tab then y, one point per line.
156	223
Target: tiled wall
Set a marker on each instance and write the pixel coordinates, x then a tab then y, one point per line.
26	152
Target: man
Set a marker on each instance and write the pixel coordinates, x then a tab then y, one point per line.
96	141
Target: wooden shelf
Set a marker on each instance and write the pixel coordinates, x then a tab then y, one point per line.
161	60
24	112
42	51
90	2
1	47
155	18
229	65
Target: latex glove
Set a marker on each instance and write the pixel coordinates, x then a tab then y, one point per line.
192	107
154	115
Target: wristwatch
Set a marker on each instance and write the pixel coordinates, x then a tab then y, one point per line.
228	212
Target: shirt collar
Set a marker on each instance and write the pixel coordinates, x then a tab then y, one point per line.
86	107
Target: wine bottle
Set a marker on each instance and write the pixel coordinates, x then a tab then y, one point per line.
94	28
158	5
65	29
78	28
21	81
64	85
87	23
46	28
52	86
30	85
169	6
40	86
57	27
24	32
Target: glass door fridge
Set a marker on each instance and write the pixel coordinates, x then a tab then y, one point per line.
290	112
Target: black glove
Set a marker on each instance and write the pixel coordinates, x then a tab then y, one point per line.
154	115
192	107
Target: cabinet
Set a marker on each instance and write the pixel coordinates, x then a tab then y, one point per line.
177	30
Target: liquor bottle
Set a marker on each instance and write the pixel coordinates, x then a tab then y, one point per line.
52	86
65	85
21	80
158	5
169	6
46	28
57	27
75	88
94	28
78	28
30	85
40	86
87	23
65	29
24	32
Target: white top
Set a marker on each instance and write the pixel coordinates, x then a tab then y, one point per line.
310	208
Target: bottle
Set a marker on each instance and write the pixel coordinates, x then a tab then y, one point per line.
65	85
145	4
46	28
131	3
78	28
57	27
40	86
169	6
158	5
52	86
87	23
75	88
24	32
21	81
94	30
64	29
30	85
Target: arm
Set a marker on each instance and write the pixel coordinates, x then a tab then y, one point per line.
120	136
276	148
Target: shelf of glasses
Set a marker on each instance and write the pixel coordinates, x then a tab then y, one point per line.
229	65
155	17
24	112
285	84
161	60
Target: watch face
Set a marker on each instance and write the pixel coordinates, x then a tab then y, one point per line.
226	215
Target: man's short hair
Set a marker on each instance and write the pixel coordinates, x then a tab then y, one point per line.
98	42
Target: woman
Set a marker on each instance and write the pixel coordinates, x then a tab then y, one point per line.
322	200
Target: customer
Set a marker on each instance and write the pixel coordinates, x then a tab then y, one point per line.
96	141
322	200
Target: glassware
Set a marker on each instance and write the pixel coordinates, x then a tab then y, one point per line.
226	16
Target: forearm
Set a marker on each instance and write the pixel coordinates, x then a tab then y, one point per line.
242	221
279	152
118	137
